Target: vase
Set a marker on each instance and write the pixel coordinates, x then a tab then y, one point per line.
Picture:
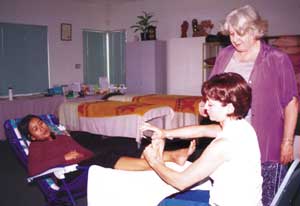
144	36
152	33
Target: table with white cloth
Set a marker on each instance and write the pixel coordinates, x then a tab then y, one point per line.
68	111
21	106
126	125
185	107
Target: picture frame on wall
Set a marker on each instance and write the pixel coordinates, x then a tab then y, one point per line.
66	32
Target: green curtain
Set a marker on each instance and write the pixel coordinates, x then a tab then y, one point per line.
117	57
94	58
96	61
23	58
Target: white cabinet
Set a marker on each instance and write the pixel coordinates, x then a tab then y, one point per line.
184	65
146	67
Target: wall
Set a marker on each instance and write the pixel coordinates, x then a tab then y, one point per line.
283	18
63	55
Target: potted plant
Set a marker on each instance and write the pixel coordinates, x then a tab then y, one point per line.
143	25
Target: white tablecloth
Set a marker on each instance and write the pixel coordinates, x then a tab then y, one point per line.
123	125
112	187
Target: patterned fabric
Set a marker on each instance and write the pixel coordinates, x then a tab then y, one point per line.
273	174
179	103
113	108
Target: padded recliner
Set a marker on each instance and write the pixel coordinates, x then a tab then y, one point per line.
64	194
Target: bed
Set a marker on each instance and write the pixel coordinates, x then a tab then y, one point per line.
113	118
185	107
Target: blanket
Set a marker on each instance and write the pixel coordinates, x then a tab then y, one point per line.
112	187
114	108
179	103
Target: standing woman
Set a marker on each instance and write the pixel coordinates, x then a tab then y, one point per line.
270	74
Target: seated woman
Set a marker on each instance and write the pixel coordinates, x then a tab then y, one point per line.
231	160
48	150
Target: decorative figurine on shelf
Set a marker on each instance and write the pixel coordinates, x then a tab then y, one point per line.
202	29
207	26
184	28
195	27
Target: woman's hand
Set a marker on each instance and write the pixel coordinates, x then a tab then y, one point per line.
157	132
72	155
287	152
153	153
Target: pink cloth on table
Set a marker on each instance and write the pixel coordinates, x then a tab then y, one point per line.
22	106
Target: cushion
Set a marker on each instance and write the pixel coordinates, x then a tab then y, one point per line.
24	142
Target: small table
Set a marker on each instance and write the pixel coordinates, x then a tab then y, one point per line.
21	106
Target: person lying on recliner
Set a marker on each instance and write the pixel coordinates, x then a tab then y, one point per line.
48	150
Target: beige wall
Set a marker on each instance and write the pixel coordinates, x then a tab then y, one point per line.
283	17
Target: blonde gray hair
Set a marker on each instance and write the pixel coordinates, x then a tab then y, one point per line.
244	20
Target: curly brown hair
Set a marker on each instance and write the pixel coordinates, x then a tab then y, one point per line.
229	88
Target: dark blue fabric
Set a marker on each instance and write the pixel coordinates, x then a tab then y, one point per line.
175	202
187	198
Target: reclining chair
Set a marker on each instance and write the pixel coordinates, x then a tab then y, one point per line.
64	194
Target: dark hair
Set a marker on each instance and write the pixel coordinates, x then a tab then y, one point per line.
229	88
23	125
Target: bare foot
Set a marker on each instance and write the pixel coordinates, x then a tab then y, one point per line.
180	156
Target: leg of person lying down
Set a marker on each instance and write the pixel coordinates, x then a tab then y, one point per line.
122	153
136	162
178	156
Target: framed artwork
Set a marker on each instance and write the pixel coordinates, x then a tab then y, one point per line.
66	32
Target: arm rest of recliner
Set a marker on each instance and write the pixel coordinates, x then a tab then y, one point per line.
59	172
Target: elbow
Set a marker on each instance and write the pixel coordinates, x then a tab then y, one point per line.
181	187
182	184
297	103
292	106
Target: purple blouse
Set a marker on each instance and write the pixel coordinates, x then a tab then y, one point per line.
273	86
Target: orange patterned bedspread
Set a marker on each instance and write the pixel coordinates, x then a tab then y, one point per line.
179	103
114	108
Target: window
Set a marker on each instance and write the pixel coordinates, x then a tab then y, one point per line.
23	58
104	55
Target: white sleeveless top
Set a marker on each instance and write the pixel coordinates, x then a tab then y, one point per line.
238	181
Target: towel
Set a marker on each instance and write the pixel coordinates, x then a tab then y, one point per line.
112	187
